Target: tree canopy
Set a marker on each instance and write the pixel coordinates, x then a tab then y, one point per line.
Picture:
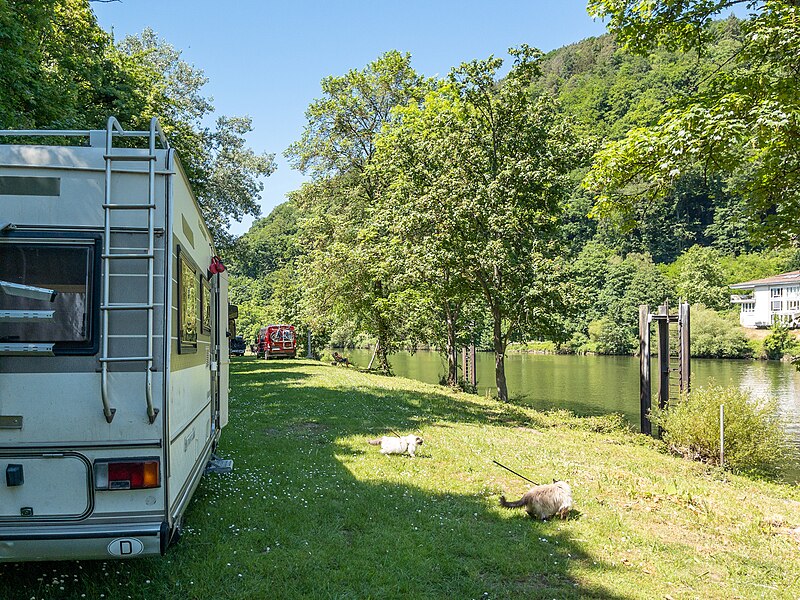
477	174
60	70
345	268
741	121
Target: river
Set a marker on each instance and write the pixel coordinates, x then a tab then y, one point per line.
593	385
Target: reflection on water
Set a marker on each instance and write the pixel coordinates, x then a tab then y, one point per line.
591	385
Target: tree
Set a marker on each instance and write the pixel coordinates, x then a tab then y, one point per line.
743	120
700	278
57	67
481	172
60	70
630	282
345	268
413	156
223	170
269	244
717	336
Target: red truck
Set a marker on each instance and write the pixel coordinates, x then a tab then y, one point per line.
276	341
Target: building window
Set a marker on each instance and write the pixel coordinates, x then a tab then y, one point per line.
748	307
188	305
777	306
793	305
64	309
776	292
793	291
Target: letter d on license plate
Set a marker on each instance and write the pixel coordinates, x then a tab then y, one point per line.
123	547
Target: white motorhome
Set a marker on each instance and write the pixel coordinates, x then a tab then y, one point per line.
113	345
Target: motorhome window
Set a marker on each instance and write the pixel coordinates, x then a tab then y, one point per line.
188	307
65	318
205	308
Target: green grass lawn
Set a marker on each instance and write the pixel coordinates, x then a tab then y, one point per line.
312	511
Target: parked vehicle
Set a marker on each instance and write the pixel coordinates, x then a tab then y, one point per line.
237	346
276	341
113	346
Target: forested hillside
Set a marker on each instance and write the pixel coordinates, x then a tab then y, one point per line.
691	243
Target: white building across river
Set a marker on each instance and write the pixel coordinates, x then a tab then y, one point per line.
771	299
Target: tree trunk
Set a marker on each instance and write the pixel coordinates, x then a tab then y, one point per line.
383	350
452	350
499	357
383	335
383	360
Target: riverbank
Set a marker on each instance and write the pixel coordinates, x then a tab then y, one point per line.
312	510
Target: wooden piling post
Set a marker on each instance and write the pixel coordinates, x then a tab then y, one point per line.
644	368
473	370
663	355
684	332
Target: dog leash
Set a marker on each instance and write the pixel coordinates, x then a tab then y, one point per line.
514	472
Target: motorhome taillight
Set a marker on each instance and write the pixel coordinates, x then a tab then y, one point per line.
127	474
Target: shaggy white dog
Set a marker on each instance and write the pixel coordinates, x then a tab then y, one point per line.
398	445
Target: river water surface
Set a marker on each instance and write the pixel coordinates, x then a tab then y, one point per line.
594	385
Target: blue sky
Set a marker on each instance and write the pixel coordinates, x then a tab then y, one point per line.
266	59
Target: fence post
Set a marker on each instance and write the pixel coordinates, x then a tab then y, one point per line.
721	435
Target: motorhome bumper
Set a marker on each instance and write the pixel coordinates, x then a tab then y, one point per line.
19	544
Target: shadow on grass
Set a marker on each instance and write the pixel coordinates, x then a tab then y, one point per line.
293	522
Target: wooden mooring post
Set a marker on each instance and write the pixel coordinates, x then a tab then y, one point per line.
468	358
644	368
663	320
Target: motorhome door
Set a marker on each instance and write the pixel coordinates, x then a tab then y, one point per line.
221	335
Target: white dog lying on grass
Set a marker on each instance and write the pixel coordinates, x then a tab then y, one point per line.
398	445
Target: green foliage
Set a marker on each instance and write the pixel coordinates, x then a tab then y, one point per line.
57	68
536	347
779	342
611	337
754	439
477	174
758	265
346	271
408	214
223	170
717	336
60	70
608	91
631	282
699	278
740	121
270	243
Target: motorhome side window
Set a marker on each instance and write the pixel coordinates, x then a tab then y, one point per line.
205	308
188	306
48	287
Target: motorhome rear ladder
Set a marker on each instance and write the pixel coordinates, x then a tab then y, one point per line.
109	206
